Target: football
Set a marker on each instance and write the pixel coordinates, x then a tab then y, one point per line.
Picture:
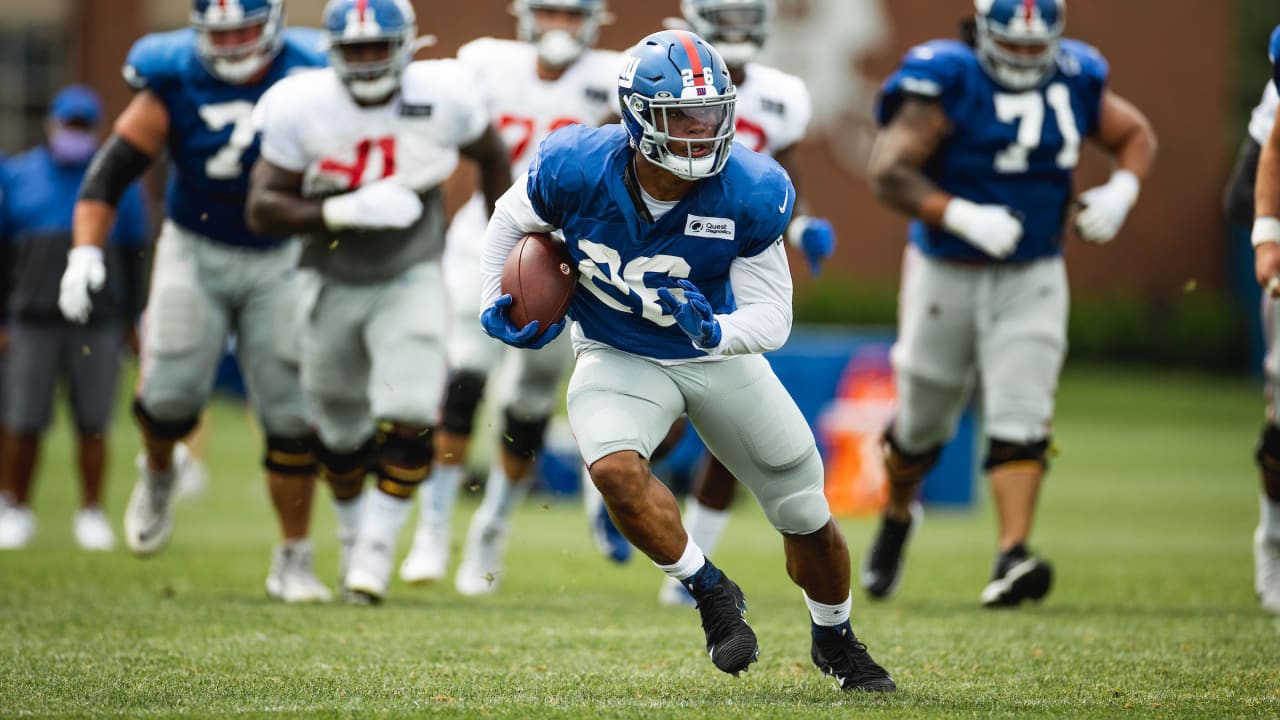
540	277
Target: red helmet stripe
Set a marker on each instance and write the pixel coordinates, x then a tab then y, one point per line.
1028	8
695	60
361	6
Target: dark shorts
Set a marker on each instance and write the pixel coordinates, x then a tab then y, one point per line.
88	358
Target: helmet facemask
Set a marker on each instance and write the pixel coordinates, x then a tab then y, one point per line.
737	28
999	44
558	46
690	136
227	48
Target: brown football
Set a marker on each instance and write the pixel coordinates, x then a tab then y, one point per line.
540	277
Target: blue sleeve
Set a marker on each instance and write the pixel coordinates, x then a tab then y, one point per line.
552	175
154	63
934	70
132	227
1092	80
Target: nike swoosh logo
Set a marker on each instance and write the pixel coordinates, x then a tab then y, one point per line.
783	207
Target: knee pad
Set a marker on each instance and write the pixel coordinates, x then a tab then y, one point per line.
294	456
904	467
803	508
523	438
461	398
345	471
404	458
1001	453
168	430
1268	451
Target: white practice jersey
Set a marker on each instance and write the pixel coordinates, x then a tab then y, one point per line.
1264	114
311	125
526	109
773	110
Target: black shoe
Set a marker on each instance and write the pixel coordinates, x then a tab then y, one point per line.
1018	575
730	640
837	652
882	567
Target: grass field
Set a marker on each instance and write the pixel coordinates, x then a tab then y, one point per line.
1147	515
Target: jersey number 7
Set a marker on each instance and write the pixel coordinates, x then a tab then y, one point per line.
1028	109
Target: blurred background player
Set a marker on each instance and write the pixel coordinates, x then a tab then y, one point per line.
352	159
683	283
771	115
551	77
40	187
1266	246
212	276
979	144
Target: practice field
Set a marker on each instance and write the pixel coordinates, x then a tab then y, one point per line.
1147	516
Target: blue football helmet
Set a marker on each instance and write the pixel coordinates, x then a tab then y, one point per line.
389	23
738	28
674	82
237	63
556	47
1035	23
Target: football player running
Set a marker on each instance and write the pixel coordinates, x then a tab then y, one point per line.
979	144
1266	248
683	283
194	94
550	78
772	113
352	159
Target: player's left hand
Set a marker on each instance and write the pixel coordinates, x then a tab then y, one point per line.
815	237
498	324
86	273
1105	207
694	316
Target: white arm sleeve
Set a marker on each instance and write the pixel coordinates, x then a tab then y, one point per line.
762	290
513	218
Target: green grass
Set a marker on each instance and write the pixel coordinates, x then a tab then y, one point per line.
1147	515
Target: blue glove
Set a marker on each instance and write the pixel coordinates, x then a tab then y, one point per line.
694	316
817	240
496	324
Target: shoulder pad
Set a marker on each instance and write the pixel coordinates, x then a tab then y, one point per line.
158	59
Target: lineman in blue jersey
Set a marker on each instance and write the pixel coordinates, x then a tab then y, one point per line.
1266	248
683	282
195	91
979	145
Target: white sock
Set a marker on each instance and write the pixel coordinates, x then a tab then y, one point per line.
591	497
828	615
705	525
1270	520
384	515
690	562
501	496
437	499
348	512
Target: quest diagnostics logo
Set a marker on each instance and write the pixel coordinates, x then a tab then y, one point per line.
709	227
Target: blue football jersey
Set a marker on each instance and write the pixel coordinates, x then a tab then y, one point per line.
212	143
580	182
1017	149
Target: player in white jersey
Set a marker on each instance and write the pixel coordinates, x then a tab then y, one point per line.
1262	150
773	113
549	79
352	160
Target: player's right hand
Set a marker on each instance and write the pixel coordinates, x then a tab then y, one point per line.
993	229
383	204
85	273
497	324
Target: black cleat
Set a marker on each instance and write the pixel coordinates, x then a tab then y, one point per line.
837	652
882	567
731	642
1017	576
